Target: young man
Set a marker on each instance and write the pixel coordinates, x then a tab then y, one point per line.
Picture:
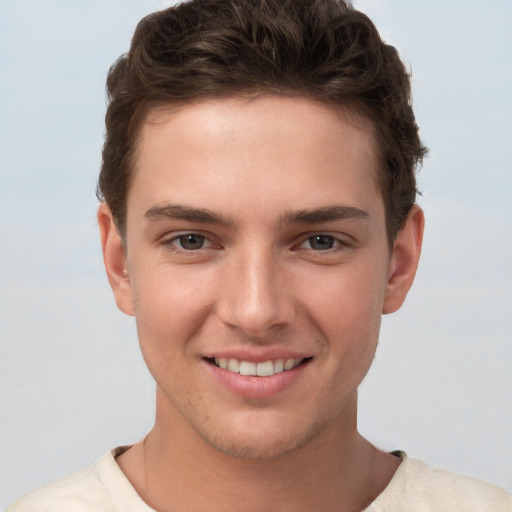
258	217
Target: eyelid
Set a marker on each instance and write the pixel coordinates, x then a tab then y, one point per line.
169	240
339	241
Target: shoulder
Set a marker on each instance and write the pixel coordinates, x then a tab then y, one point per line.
82	491
417	486
454	489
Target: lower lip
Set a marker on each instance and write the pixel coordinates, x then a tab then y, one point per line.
257	387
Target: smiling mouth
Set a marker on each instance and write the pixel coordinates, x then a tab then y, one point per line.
251	368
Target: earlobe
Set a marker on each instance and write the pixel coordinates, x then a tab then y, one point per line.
114	258
404	260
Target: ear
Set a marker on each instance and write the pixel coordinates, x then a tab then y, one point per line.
404	260
114	258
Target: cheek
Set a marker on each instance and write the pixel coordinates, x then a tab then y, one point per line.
171	304
346	307
346	296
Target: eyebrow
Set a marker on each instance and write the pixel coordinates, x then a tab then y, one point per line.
324	214
205	216
188	213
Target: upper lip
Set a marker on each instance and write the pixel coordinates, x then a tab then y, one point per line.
257	356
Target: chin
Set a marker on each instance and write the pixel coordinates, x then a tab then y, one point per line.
262	444
255	450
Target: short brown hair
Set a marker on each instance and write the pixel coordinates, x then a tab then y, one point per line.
321	49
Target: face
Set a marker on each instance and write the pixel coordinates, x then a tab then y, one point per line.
257	267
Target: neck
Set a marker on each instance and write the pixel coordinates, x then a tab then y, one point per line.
337	470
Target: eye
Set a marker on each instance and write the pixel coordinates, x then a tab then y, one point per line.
190	242
320	242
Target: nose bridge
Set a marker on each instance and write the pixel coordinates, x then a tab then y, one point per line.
253	298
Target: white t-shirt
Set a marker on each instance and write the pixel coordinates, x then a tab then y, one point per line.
415	487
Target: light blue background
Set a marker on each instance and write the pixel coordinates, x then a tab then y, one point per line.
72	382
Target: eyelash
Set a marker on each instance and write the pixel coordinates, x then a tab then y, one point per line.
338	243
177	238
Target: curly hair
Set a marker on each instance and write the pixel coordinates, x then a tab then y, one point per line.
324	50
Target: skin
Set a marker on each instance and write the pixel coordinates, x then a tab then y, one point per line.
259	276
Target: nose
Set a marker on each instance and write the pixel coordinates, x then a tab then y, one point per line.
255	296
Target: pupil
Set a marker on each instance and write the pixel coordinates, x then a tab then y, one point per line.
322	242
191	242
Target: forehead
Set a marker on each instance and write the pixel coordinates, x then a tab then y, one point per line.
289	150
262	116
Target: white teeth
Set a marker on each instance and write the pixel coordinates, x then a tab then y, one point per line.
250	368
234	365
247	368
265	369
278	366
289	364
